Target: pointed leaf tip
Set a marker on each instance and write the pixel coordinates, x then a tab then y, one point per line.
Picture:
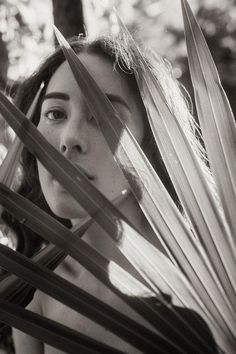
61	39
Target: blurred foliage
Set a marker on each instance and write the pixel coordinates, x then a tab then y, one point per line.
25	30
219	29
25	38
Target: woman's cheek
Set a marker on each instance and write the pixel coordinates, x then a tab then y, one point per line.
49	134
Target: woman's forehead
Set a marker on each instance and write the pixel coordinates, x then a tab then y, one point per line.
101	69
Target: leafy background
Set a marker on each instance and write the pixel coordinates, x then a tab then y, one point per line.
26	37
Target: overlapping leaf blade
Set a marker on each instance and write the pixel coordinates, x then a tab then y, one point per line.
75	298
87	85
54	232
43	151
112	127
51	332
164	281
216	117
224	255
9	164
16	290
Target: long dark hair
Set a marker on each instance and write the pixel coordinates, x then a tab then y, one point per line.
120	54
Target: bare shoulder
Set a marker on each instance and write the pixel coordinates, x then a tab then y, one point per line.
61	313
24	343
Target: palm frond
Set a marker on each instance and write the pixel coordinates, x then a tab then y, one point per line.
216	118
30	137
16	290
189	172
10	162
54	232
77	299
118	135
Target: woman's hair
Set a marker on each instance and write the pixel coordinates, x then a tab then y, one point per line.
121	54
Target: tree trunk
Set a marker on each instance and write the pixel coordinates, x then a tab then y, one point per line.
4	62
68	17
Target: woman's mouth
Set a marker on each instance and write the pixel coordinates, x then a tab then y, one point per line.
87	174
90	177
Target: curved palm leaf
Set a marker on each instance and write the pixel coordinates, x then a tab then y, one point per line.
208	286
79	300
54	232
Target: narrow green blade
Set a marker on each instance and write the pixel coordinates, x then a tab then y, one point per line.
9	164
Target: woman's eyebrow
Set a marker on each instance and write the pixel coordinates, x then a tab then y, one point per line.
58	95
64	96
116	98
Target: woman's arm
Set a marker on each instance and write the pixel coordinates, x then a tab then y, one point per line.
24	343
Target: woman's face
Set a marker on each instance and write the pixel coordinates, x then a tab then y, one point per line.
68	125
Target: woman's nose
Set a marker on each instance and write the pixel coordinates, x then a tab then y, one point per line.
74	137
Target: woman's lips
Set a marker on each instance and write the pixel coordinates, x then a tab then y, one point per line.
88	175
81	169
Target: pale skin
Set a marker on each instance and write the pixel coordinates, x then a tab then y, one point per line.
67	123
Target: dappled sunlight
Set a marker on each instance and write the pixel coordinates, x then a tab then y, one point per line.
8	237
127	284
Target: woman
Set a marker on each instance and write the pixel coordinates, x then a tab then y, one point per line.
64	118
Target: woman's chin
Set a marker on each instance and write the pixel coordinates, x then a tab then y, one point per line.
69	211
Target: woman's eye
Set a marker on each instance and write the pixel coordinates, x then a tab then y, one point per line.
55	114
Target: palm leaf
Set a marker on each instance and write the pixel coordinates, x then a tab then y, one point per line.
9	165
216	118
112	126
213	117
158	317
78	184
15	290
79	300
151	93
43	147
88	86
55	232
179	157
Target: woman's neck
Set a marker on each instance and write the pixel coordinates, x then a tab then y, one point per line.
98	238
102	242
